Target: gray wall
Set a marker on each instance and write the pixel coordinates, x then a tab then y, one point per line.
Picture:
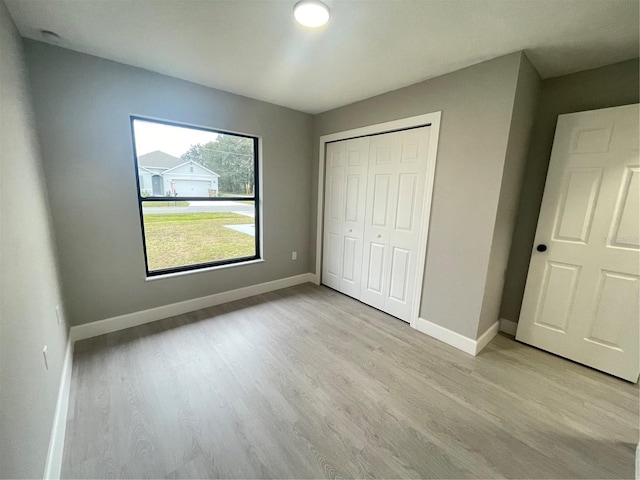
29	287
524	108
604	87
477	106
82	106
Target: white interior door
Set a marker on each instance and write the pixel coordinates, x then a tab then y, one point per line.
405	222
345	196
333	207
395	197
355	196
582	292
384	153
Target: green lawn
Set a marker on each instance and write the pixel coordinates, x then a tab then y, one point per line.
190	238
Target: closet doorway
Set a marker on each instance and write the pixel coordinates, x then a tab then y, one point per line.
375	198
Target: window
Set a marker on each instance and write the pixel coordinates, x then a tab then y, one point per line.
197	193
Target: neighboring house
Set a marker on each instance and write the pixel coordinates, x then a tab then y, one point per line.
161	174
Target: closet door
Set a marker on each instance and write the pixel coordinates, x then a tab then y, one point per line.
405	227
333	214
384	153
395	197
345	197
355	196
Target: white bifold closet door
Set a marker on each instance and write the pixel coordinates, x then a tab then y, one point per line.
374	196
345	197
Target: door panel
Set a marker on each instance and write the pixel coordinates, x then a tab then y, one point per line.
352	198
376	267
557	296
335	195
333	254
382	154
405	220
405	206
400	261
373	293
336	155
625	226
574	217
591	140
381	191
350	262
345	197
353	214
357	152
410	149
380	200
333	207
581	296
617	303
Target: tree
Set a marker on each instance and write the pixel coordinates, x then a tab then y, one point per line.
229	156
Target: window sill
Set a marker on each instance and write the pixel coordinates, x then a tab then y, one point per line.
202	270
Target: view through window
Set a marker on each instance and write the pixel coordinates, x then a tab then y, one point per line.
197	192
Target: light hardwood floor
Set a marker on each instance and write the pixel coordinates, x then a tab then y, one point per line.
307	383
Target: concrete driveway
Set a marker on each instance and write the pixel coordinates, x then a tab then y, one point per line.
206	207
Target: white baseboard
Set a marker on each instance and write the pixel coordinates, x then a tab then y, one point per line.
108	325
56	443
484	339
466	344
508	326
447	336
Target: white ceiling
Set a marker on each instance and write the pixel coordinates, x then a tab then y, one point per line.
254	48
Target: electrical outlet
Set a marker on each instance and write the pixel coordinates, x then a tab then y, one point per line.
294	255
59	314
46	360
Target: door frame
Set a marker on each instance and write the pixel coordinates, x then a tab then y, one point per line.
426	120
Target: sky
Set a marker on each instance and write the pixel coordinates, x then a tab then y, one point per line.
170	139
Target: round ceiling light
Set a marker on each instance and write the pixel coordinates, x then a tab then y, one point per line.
50	36
311	13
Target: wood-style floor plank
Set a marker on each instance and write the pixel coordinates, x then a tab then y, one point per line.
308	383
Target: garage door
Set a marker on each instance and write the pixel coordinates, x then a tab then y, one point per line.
191	188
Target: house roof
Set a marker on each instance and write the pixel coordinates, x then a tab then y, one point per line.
191	161
159	159
144	169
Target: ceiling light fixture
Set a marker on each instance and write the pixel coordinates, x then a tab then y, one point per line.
311	13
51	37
